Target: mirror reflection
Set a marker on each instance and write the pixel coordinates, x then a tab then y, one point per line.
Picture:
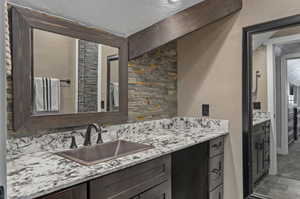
276	112
73	76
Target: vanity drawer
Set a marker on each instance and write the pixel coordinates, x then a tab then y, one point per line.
216	166
216	146
132	181
75	192
216	193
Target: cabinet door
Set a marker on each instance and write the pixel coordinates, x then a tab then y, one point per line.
255	157
130	182
161	191
190	172
76	192
267	147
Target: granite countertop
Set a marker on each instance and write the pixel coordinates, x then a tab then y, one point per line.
33	169
260	117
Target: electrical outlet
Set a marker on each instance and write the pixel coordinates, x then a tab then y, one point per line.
205	110
2	194
256	105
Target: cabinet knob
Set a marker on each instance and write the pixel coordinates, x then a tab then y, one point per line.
217	145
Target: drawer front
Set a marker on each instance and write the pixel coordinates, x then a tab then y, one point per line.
216	167
216	193
162	191
132	181
216	147
76	192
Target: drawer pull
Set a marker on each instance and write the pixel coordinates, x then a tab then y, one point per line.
217	146
217	172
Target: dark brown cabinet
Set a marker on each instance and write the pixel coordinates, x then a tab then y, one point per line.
260	151
161	191
76	192
190	172
148	178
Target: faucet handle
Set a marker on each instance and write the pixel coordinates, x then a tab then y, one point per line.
73	143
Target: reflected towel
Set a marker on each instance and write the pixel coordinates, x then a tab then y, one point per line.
54	95
116	94
46	94
39	97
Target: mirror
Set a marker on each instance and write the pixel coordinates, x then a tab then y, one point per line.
73	75
66	74
271	109
276	89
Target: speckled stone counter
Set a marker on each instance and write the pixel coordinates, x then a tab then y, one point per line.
33	169
260	117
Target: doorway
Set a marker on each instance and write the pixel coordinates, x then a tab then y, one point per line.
270	109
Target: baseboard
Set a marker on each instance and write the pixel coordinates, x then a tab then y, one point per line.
281	151
258	196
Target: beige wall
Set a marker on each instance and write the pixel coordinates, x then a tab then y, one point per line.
260	64
210	71
55	56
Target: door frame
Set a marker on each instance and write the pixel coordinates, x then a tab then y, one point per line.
3	119
285	104
247	119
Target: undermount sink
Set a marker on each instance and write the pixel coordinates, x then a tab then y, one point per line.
103	152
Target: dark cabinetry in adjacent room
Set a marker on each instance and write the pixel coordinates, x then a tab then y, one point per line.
260	151
291	125
296	123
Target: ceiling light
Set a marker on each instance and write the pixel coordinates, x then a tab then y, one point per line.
173	1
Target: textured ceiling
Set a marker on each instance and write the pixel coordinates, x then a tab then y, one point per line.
121	17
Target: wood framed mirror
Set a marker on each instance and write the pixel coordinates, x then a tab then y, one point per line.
60	73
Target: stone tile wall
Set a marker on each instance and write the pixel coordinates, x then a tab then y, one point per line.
152	87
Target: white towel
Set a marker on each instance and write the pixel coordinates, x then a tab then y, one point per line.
55	95
115	93
47	94
39	100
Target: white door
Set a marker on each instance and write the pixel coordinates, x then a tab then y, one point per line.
2	105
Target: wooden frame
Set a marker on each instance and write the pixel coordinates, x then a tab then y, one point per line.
180	24
248	32
22	23
108	60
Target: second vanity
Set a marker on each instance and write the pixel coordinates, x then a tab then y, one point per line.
186	161
260	146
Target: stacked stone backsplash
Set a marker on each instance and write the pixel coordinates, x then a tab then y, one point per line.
152	84
152	88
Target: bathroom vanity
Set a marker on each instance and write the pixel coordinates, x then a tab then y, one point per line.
260	146
195	172
186	161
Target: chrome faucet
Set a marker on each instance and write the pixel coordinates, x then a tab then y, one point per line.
87	139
